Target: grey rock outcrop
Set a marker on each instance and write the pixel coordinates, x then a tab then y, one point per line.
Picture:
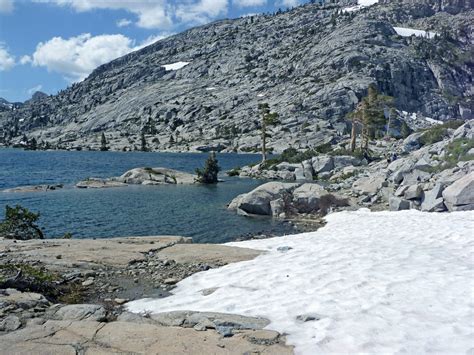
460	195
312	64
156	176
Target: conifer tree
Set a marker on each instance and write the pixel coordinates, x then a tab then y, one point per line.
208	175
267	119
103	143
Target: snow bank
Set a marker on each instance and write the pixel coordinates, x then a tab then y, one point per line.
360	5
381	282
175	66
408	32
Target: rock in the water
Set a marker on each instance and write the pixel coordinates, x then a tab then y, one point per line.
258	200
460	195
156	176
97	183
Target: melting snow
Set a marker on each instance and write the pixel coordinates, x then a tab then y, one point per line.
384	282
408	32
175	66
360	5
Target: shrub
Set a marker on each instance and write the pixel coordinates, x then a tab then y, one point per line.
438	133
208	175
20	224
234	172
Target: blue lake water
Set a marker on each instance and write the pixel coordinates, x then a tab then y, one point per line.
196	211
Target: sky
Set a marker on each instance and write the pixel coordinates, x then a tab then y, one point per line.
46	45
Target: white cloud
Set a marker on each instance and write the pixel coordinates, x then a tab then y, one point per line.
35	89
7	61
25	59
124	22
161	14
76	57
150	13
201	11
249	3
6	6
290	3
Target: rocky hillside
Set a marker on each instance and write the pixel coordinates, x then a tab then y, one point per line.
199	90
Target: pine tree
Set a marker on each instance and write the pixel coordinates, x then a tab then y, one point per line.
144	147
103	143
171	139
267	119
209	174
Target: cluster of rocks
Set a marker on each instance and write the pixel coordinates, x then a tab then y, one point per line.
141	176
283	200
312	64
30	323
424	177
321	167
105	274
35	188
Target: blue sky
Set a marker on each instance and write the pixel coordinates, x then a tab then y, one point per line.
48	44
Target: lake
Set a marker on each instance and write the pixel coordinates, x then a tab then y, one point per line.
197	211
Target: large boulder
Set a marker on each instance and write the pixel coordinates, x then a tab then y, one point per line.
258	200
465	131
398	204
369	185
156	176
341	161
308	171
460	195
322	164
413	192
412	142
306	197
433	199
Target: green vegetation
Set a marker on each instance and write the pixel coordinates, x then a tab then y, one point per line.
38	274
370	115
103	143
20	224
267	119
143	145
234	171
438	133
208	175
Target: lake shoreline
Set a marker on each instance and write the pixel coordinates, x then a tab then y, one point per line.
89	280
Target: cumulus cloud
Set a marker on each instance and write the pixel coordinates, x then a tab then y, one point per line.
25	59
124	22
290	3
7	61
6	6
201	11
76	57
151	14
249	3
